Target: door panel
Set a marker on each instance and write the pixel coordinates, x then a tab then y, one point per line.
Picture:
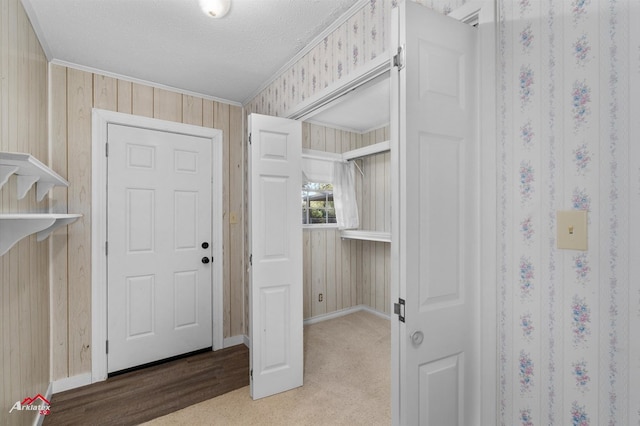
185	296
140	305
185	220
140	222
435	238
276	251
441	391
159	212
439	227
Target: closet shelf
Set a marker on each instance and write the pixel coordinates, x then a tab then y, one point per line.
14	227
29	171
357	234
376	148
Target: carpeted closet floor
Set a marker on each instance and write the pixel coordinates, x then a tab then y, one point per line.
347	380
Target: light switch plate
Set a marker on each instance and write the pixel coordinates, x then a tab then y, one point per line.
572	229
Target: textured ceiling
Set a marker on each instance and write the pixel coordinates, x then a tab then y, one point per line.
172	43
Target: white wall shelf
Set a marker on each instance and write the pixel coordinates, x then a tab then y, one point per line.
29	171
14	227
356	234
376	148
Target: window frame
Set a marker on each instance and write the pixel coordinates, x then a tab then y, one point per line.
306	208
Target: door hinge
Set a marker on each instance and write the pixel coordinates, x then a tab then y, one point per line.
251	374
106	248
398	309
107	347
251	259
249	138
106	149
399	58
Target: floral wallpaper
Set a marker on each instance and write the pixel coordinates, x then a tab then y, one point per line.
363	37
568	109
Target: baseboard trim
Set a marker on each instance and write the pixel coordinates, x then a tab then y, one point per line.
40	418
73	382
343	312
233	341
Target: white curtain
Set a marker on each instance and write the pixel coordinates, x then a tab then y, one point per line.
344	195
316	169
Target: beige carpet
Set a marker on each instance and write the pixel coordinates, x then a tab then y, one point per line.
347	379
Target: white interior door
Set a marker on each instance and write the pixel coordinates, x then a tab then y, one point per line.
159	269
275	230
435	236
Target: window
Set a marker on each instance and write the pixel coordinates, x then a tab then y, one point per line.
317	204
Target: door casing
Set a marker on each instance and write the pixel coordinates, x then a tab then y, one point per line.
100	120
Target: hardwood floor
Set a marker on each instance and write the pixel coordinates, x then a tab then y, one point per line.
142	395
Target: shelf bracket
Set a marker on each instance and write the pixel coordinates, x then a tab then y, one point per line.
42	188
5	173
12	231
359	169
29	171
42	235
14	227
25	182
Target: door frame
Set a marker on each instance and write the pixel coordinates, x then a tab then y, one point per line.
100	120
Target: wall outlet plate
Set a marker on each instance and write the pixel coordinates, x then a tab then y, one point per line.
572	229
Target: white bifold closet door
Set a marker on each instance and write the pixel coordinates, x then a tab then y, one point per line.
275	227
435	219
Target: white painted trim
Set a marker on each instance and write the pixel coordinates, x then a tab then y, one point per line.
344	312
309	47
321	155
488	211
359	234
468	13
233	341
322	100
141	81
39	418
49	391
50	242
72	382
100	120
394	275
35	24
346	129
376	148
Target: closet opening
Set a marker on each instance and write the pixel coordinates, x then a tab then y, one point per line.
347	268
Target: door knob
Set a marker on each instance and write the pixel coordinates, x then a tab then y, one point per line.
417	338
205	245
205	260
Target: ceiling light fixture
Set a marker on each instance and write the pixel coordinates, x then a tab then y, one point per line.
215	8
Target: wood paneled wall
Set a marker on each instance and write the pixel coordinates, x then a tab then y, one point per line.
350	272
24	270
74	93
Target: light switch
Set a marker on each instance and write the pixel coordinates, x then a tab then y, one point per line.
572	229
